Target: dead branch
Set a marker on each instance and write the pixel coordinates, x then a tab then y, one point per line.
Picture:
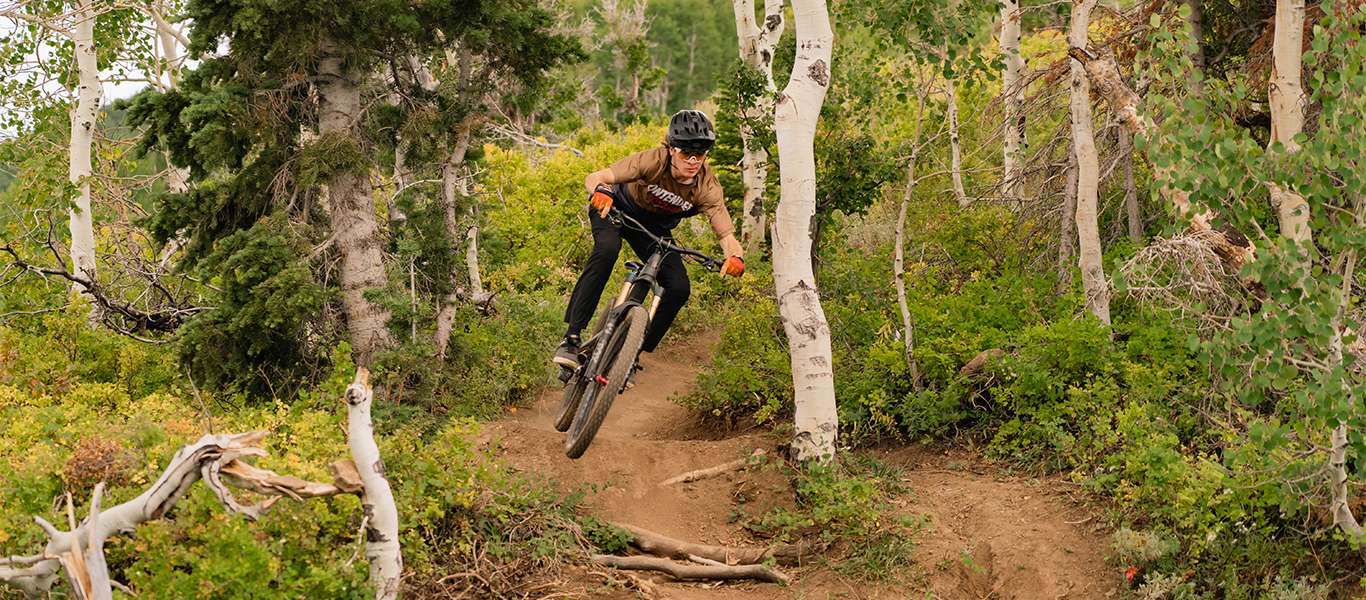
979	362
677	571
714	471
659	545
1102	69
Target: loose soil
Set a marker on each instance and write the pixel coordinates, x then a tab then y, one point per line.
990	535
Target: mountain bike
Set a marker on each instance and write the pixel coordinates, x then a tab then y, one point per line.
607	358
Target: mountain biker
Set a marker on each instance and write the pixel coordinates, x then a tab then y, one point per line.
658	187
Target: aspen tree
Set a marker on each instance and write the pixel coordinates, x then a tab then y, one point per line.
1093	282
808	333
756	49
1012	88
1287	98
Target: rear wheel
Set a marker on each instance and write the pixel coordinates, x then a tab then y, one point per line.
615	365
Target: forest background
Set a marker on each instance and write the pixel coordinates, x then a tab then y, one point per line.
1212	408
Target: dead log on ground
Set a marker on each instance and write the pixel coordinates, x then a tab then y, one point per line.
714	471
659	545
677	571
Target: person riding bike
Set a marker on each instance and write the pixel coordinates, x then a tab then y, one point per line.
658	187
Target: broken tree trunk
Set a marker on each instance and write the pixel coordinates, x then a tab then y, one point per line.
36	577
376	497
1230	244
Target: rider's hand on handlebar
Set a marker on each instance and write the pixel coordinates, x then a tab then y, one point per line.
733	266
602	199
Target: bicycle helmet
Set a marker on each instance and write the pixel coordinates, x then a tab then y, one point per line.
691	130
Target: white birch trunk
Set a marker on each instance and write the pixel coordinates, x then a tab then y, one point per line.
955	147
808	333
1093	282
353	212
1012	88
453	186
85	118
1337	460
899	258
1287	116
376	497
472	252
756	48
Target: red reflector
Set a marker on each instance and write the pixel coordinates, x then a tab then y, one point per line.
600	380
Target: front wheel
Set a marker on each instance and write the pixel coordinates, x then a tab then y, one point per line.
569	406
615	366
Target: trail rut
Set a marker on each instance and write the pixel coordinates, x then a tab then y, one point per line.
989	536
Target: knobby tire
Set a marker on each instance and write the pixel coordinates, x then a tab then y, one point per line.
617	361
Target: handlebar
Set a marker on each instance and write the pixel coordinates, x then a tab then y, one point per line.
707	262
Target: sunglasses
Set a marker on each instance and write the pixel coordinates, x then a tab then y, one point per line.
692	157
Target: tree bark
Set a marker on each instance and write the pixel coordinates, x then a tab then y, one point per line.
955	146
376	497
85	119
1012	89
454	187
1093	281
808	333
1287	118
353	212
1337	461
1131	207
899	258
1068	221
1196	20
756	48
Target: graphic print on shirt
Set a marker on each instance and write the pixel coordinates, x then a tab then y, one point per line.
667	200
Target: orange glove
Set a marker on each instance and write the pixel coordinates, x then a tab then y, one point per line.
602	199
734	266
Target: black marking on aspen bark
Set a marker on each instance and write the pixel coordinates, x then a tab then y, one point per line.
767	56
819	73
379	467
773	22
354	396
820	361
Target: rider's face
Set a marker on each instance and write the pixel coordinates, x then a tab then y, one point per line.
688	163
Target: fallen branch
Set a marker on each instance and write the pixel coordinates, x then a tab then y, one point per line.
677	571
659	545
714	471
214	459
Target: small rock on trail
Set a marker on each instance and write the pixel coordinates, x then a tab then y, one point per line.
987	536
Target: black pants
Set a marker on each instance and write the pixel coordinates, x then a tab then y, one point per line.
673	277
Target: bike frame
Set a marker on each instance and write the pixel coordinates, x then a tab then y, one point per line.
640	284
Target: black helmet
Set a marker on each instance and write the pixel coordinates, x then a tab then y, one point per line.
691	130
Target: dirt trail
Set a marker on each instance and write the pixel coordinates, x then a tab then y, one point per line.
988	537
